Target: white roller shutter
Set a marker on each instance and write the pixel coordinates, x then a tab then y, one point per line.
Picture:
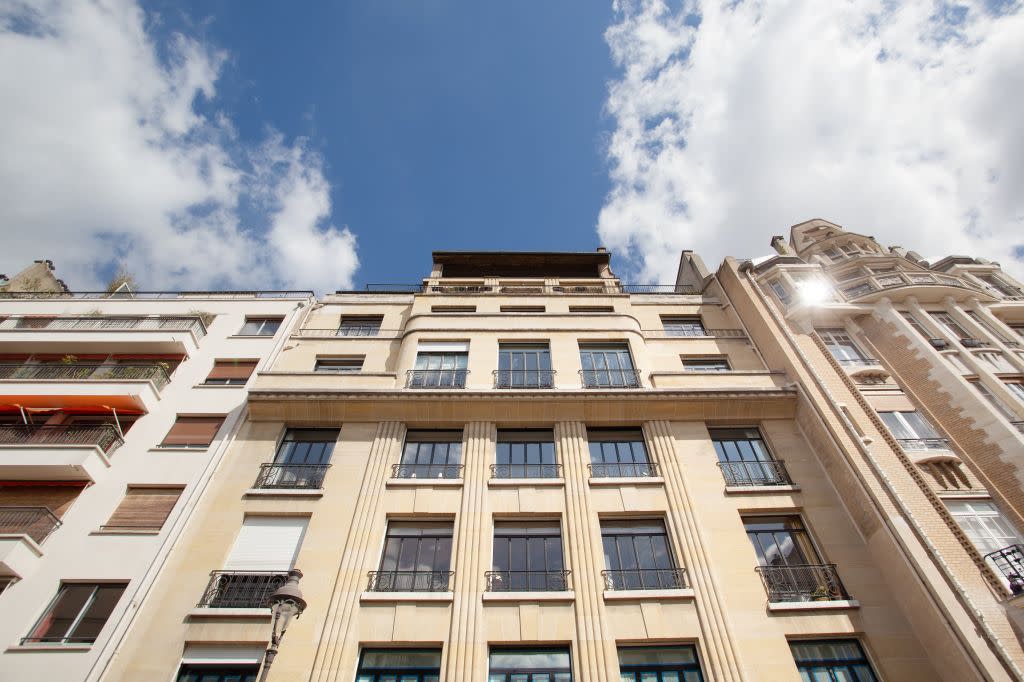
443	347
267	543
214	654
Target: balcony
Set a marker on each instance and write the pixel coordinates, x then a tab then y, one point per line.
610	378
62	452
693	333
644	579
22	530
409	581
427	471
624	470
524	379
569	288
919	283
436	378
917	444
291	476
803	583
527	581
74	371
1010	562
755	473
350	333
241	589
550	471
167	333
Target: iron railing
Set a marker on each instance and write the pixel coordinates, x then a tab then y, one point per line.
172	323
691	333
858	362
409	581
436	378
923	443
644	579
151	295
104	436
659	289
624	470
804	582
427	471
610	378
333	333
75	371
291	476
527	581
1010	562
596	288
758	472
526	471
358	330
241	589
524	378
35	522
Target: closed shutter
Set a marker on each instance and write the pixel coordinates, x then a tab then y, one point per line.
56	497
443	347
267	543
193	431
144	508
232	369
222	654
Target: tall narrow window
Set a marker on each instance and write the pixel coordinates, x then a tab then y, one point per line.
788	563
524	366
417	558
780	291
659	664
839	660
360	325
745	460
440	365
1016	388
431	454
529	665
984	524
302	459
619	453
526	454
1000	407
913	431
984	324
399	665
948	321
77	614
683	326
260	326
608	366
840	344
527	557
218	673
916	325
638	556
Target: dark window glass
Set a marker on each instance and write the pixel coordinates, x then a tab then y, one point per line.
218	673
306	446
431	454
745	458
338	365
399	665
638	556
77	613
527	557
618	452
832	660
530	665
416	558
950	323
360	326
780	541
706	364
608	366
524	366
526	454
260	326
659	664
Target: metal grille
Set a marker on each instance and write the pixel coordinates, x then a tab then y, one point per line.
409	581
104	436
624	470
78	371
526	471
524	378
291	476
758	472
527	581
241	589
105	323
802	582
1010	562
645	579
610	378
923	443
35	522
445	471
436	378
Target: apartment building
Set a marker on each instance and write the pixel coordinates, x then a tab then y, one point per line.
114	410
522	469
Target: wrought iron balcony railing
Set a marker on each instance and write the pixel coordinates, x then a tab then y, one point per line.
409	581
75	371
923	443
241	589
526	471
683	332
610	378
624	470
436	378
601	288
111	323
524	378
426	471
1010	562
645	579
527	581
104	436
805	582
35	522
156	295
751	473
358	330
335	333
291	476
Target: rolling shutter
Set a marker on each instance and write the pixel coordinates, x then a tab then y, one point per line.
267	543
144	508
193	431
56	497
232	369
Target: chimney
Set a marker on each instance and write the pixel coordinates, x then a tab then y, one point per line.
780	246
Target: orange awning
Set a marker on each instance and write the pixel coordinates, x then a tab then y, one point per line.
124	404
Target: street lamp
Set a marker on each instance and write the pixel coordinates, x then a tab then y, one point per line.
286	603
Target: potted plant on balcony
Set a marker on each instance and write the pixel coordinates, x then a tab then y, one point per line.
73	370
821	593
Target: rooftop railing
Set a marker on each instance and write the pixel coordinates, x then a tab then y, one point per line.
695	333
35	522
527	289
805	582
85	372
105	323
103	436
341	334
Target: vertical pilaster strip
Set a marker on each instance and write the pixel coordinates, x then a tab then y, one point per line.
465	655
596	652
719	644
337	639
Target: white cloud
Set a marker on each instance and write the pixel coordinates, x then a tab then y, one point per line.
898	120
106	160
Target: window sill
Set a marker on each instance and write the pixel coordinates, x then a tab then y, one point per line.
220	385
48	648
424	482
529	596
206	612
175	448
760	489
126	531
252	336
649	595
626	480
525	482
284	492
391	597
813	605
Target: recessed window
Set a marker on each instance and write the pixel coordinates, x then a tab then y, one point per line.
217	673
522	309
714	363
781	291
1016	388
350	365
529	665
77	614
524	365
591	309
360	325
999	285
832	659
659	664
690	325
230	372
144	508
430	454
840	344
192	432
527	557
619	453
417	558
744	458
947	320
394	665
913	431
984	524
608	365
453	308
638	556
440	365
526	454
788	562
260	326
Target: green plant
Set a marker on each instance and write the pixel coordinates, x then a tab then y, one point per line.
821	593
122	278
206	317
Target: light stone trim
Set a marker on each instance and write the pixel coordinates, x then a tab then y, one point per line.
760	489
685	594
783	606
566	596
392	597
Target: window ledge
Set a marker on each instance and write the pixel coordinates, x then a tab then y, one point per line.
206	612
649	595
242	386
174	448
392	597
424	482
567	596
626	480
126	531
284	492
813	605
760	489
252	336
48	648
524	482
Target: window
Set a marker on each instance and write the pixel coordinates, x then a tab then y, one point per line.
984	524
833	254
591	309
230	372
984	324
716	363
192	432
453	308
619	453
526	454
659	664
999	285
144	508
77	614
527	557
744	458
788	563
840	344
522	309
913	431
529	665
417	558
997	362
637	556
951	324
351	365
431	454
302	460
832	660
440	365
260	326
524	365
399	665
913	322
780	291
218	673
608	366
365	325
683	326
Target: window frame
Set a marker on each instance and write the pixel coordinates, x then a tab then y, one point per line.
724	365
812	555
840	342
681	325
643	573
431	529
31	639
375	674
640	670
633	468
510	376
326	451
553	562
248	671
831	663
230	381
322	364
551	674
628	377
542	468
412	467
262	323
370	325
